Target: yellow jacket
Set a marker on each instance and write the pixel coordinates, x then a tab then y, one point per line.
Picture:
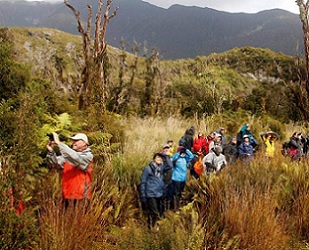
270	148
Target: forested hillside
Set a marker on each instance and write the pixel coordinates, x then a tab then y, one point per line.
243	78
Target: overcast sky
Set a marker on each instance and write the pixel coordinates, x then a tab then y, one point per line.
247	6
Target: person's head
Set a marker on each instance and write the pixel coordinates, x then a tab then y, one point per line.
222	131
181	150
200	134
79	142
157	158
212	134
218	138
295	134
166	149
233	140
268	135
248	127
218	149
170	142
246	138
190	131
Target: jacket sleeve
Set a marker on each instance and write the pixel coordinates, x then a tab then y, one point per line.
189	155
168	164
175	157
144	178
76	159
263	136
56	161
241	149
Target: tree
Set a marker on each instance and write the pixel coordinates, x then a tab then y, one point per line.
149	101
94	84
303	14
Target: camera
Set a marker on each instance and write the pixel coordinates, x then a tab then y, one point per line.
50	136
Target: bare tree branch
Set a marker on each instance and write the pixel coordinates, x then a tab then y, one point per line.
93	73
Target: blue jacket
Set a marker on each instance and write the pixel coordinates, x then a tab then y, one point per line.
152	181
245	151
180	165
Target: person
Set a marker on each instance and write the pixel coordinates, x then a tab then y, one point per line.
245	150
167	178
230	151
306	145
76	164
214	161
180	161
295	146
170	143
216	141
209	139
199	144
186	140
222	132
152	186
246	130
269	141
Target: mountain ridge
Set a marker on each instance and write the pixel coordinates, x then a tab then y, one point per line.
177	32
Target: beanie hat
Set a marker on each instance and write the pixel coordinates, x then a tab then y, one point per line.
158	155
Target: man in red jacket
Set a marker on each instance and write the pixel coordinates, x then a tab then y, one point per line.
76	165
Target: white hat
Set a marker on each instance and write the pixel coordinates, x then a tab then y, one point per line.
80	136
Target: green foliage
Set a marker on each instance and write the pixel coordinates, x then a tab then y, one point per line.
16	231
202	103
148	86
13	76
255	101
7	126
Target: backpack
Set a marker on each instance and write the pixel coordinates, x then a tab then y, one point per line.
198	166
239	138
182	142
285	148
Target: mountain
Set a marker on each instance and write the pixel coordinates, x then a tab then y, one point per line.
177	32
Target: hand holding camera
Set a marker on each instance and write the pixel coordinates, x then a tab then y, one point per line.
53	139
50	136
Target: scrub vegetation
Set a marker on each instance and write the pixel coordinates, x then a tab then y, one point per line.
263	205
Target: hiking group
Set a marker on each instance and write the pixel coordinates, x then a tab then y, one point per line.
163	180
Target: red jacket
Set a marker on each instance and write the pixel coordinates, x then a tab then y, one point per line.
200	144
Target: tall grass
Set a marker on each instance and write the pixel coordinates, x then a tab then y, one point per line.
261	205
243	207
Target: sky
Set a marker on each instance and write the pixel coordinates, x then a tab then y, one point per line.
234	6
247	6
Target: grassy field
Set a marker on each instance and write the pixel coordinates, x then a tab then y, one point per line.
262	205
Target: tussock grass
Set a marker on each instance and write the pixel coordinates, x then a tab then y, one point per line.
261	205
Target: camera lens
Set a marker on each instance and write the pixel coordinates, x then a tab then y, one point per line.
50	136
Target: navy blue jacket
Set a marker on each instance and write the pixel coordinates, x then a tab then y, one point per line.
245	150
152	184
